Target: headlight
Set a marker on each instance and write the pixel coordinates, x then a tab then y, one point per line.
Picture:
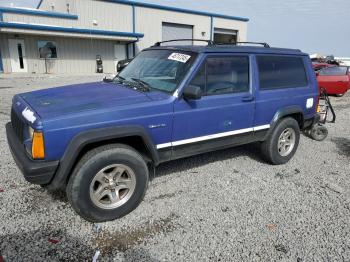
30	132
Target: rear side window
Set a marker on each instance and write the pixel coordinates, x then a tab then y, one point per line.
278	72
334	71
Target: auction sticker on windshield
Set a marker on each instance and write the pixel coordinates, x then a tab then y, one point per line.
179	57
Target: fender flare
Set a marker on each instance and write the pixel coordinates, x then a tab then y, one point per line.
83	139
281	113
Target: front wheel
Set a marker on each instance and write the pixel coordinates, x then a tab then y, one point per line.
282	143
108	183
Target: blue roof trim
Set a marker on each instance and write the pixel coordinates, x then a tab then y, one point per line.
176	9
36	12
69	30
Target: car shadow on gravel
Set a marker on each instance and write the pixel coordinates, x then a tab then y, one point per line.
44	245
251	151
126	241
343	145
55	245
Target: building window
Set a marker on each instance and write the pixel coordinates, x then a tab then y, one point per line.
225	36
47	49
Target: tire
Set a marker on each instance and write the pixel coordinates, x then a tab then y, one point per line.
339	95
115	173
273	149
319	133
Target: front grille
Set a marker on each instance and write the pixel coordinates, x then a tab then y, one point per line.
17	124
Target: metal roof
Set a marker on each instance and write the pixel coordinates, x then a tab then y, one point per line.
176	9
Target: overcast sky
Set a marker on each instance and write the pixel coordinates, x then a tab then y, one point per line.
315	26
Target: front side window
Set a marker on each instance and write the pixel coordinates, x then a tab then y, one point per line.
47	49
276	72
334	71
162	70
223	75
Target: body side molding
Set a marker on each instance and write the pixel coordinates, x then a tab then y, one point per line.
212	136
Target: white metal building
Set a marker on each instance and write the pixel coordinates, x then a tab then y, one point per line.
65	36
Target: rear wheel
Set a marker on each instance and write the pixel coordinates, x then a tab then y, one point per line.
282	143
108	183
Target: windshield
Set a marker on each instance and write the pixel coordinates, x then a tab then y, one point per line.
158	69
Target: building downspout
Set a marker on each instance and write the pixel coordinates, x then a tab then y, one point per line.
1	65
211	27
134	29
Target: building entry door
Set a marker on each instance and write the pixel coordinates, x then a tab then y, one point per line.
18	55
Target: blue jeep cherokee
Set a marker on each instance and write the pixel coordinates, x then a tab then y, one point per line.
98	140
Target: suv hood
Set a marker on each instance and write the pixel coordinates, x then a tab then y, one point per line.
59	101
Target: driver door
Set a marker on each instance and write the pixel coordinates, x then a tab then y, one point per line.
224	115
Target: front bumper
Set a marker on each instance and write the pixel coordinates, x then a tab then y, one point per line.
34	171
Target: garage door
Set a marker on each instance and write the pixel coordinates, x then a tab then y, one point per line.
177	31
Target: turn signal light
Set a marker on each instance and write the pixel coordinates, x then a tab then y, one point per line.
38	148
318	109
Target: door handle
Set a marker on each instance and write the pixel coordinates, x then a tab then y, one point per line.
247	98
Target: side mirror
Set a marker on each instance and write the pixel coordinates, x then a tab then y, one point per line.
108	79
192	93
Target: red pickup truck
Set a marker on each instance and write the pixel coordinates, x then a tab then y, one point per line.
334	79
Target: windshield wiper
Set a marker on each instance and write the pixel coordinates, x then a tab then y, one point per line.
144	84
140	85
119	79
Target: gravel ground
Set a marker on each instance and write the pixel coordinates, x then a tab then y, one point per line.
222	206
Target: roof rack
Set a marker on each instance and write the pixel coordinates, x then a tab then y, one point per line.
266	45
209	42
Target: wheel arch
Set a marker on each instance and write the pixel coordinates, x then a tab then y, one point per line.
133	136
295	112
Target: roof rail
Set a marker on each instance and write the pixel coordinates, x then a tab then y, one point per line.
266	45
209	42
